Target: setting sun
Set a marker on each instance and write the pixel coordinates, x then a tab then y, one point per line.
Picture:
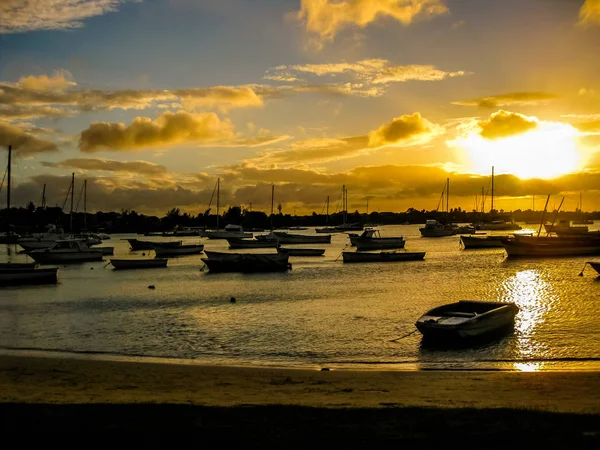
546	152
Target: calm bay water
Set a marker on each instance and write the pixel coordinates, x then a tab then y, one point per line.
322	313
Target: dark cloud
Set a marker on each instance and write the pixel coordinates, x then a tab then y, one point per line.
514	98
140	167
22	141
503	124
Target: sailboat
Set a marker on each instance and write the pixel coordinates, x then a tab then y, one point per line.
230	231
582	220
499	224
7	237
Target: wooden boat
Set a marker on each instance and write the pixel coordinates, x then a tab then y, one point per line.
371	239
467	319
27	275
136	244
235	243
289	238
358	257
540	246
247	262
123	264
433	228
182	250
301	251
482	241
66	251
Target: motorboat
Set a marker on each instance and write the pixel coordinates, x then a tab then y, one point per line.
19	275
148	263
393	256
182	250
236	243
301	251
247	262
66	251
433	228
469	242
230	231
467	319
371	239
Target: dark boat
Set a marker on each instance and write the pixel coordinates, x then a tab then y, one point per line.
247	262
467	319
550	246
136	244
469	242
301	251
237	243
289	238
10	265
181	250
123	264
358	257
371	239
26	276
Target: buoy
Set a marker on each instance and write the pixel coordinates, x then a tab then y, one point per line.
91	268
232	300
151	287
143	254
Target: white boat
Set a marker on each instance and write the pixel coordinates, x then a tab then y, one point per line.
371	239
27	275
182	250
358	257
123	264
230	231
433	228
467	319
482	241
66	251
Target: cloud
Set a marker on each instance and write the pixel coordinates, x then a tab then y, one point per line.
403	129
223	97
22	141
370	71
20	16
168	129
60	81
590	12
107	165
502	124
515	98
326	18
588	127
27	113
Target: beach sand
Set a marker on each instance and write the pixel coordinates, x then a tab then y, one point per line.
275	405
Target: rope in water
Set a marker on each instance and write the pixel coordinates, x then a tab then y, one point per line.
402	337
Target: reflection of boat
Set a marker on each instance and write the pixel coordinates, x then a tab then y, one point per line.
27	275
301	251
564	227
182	250
289	238
66	251
236	243
482	241
573	245
371	239
357	257
433	228
122	264
247	262
467	319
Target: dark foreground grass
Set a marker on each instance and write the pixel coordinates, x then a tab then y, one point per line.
291	426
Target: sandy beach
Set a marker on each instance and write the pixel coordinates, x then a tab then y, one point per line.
46	389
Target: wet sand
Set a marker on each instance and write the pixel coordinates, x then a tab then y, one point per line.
63	394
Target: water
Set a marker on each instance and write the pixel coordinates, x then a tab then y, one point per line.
322	313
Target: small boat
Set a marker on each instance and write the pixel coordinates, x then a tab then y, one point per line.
122	264
358	257
182	250
564	227
136	244
467	319
433	228
482	241
497	225
247	262
66	251
235	243
230	231
301	251
10	265
551	246
108	251
289	238
27	275
371	239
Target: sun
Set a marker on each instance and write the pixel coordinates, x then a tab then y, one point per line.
546	152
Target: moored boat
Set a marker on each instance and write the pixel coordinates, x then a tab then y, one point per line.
289	238
136	244
27	275
235	243
469	242
371	239
564	227
123	264
358	257
497	225
542	246
230	231
247	262
182	250
66	251
433	228
467	319
10	265
301	251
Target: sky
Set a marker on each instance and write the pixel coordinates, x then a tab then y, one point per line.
152	101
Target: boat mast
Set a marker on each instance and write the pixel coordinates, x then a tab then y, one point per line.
272	203
8	173
367	206
327	217
543	215
44	196
447	193
85	205
71	214
218	192
492	210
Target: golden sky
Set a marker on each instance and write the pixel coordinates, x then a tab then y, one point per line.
152	101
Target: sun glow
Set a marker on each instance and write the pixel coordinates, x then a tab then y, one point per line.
546	152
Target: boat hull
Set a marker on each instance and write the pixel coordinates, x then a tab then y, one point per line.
128	264
250	243
228	234
150	245
182	250
246	263
378	243
547	246
595	266
25	276
301	251
49	257
469	242
359	257
285	238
